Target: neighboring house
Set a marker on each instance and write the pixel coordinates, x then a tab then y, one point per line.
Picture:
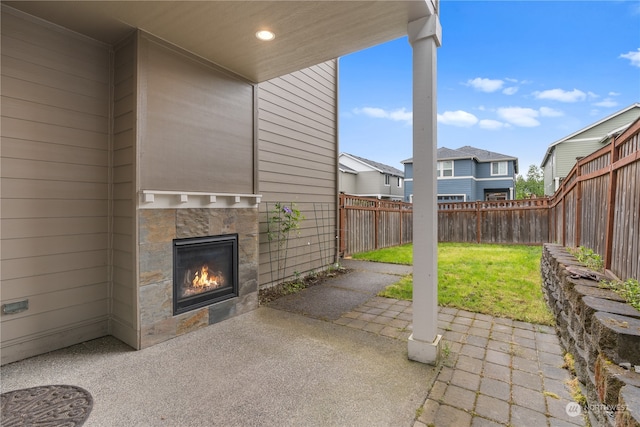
366	178
468	174
132	128
563	154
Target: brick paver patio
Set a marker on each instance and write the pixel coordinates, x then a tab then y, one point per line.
495	372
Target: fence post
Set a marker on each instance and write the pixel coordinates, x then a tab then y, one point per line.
552	222
376	217
478	225
343	225
400	216
611	201
578	231
564	217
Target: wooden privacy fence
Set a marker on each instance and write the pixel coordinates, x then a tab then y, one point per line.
508	222
598	205
368	224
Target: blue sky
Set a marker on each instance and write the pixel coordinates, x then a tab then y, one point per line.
513	77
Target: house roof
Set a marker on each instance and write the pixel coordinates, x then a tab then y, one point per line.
380	167
485	155
469	152
307	32
346	169
602	137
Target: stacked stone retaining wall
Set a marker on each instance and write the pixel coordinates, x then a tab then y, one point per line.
602	333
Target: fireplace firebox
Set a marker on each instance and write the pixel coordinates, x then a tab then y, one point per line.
205	271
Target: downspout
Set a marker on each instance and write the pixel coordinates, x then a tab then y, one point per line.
336	245
110	215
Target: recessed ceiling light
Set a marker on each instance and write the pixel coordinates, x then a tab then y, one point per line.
265	35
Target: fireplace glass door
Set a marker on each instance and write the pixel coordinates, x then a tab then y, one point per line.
205	271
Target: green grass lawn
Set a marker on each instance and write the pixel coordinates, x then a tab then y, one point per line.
500	280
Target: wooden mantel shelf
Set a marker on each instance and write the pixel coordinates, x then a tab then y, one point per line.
162	199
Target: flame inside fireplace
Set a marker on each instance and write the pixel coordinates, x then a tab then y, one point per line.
202	280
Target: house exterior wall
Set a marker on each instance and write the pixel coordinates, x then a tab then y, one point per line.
55	186
470	179
124	319
568	152
548	174
395	190
612	124
371	184
463	167
408	182
298	152
483	170
376	183
457	187
564	154
348	183
210	112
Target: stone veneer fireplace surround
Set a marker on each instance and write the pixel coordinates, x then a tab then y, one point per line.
165	216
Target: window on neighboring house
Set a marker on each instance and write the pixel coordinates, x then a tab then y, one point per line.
499	168
493	196
445	168
387	179
399	182
451	198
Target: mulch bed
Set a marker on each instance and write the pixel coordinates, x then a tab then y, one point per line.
272	293
50	406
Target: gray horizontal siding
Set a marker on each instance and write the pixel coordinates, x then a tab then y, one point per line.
124	319
297	152
197	125
55	158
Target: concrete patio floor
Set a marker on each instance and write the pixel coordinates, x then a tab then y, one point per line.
331	355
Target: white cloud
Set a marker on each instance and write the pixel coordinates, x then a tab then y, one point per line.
457	118
510	90
614	94
399	115
485	85
632	56
550	112
511	80
519	116
606	103
492	124
562	95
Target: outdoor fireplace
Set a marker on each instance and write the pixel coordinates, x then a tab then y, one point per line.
205	271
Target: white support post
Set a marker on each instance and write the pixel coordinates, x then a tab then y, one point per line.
424	343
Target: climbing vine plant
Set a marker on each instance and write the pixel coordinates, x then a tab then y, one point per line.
282	219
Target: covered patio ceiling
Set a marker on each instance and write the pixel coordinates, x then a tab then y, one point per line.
306	32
